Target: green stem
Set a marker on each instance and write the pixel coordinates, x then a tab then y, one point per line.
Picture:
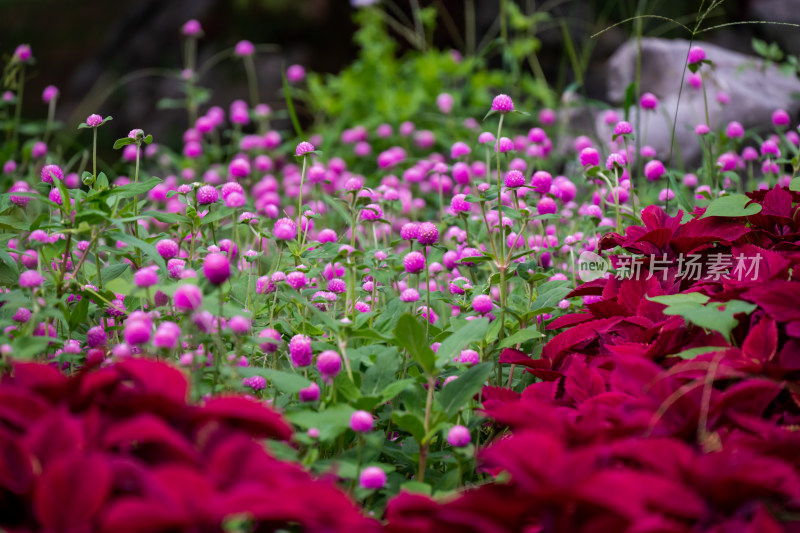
18	110
252	80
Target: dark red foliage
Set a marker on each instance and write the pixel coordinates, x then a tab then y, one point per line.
120	450
620	434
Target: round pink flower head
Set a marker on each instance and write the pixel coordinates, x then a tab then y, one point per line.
734	130
96	337
244	49
300	350
623	128
514	179
459	149
445	103
372	478
780	117
303	148
589	157
239	168
50	93
458	436
428	234
207	194
188	298
217	268
701	129
414	262
468	357
167	248
30	279
648	101
654	169
749	153
192	28
295	73
167	335
94	120
409	295
665	194
309	394
689	180
371	212
361	422
615	160
726	162
696	55
22	53
482	303
269	333
284	229
329	363
239	324
547	116
486	138
51	171
504	145
137	331
297	280
145	277
459	204
541	181
409	231
502	103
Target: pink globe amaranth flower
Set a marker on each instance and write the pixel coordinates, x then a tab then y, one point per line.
269	333
541	181
409	231
50	93
297	280
30	279
589	157
329	363
780	118
146	277
459	204
9	166
502	103
504	145
514	179
458	436
468	357
303	148
167	335
701	129
49	172
695	80
623	128
300	350
235	200
255	382
769	147
39	150
486	138
284	229
22	315
244	49
654	169
546	206
295	73
428	234
96	337
537	135
94	120
749	153
327	235
647	152
547	116
361	421
371	212
726	162
689	180
414	262
372	477
239	168
239	324
192	28
137	331
22	53
459	149
207	194
337	286
696	54
188	298
615	160
310	393
409	295
445	103
482	304
217	268
665	194
734	130
167	248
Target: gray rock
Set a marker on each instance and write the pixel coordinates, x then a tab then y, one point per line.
755	91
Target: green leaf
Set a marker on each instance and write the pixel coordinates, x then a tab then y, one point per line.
410	335
691	353
410	423
78	315
10	222
286	382
458	392
125	141
416	487
146	247
113	271
733	205
330	422
290	105
680	299
472	331
382	373
134	189
521	336
395	388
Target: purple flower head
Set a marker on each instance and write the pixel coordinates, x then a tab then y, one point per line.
22	53
701	129
546	206
329	363
167	335
648	101
445	103
514	179
269	333
372	477
371	212
654	169
146	277
502	103
726	162
541	181
734	130
310	393
615	160
428	234
96	337
239	324
414	262
459	204
337	286
50	93
409	295
361	422
300	350
207	194
482	304
458	436
303	148
191	28
244	49
50	172
284	229
217	268
295	73
30	279
409	231
297	280
589	157
468	357
486	138
623	128
94	120
504	145
696	55
167	248
459	149
188	298
780	118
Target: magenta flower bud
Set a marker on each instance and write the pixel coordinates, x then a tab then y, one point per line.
30	279
372	478
167	248
514	179
39	150
371	212
191	28
303	148
295	73
696	55
502	103
255	382
414	262
665	194
9	167
504	145
337	286
623	128
217	268
695	80
409	295
50	93
188	298
458	436
94	120
654	169
589	157
269	333
409	231
459	149
648	101
207	194
726	162
297	280
167	335
541	181
482	304
428	234
329	363
459	204
361	422
689	180
468	357
137	331
284	229
701	129
310	393
300	350
244	49
615	160
445	103
239	168
22	53
145	277
50	172
239	324
780	117
96	337
734	130
546	206
486	138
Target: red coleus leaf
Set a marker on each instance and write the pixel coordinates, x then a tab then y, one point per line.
778	298
71	491
246	413
155	378
16	464
55	434
517	357
583	382
762	341
149	430
44	379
